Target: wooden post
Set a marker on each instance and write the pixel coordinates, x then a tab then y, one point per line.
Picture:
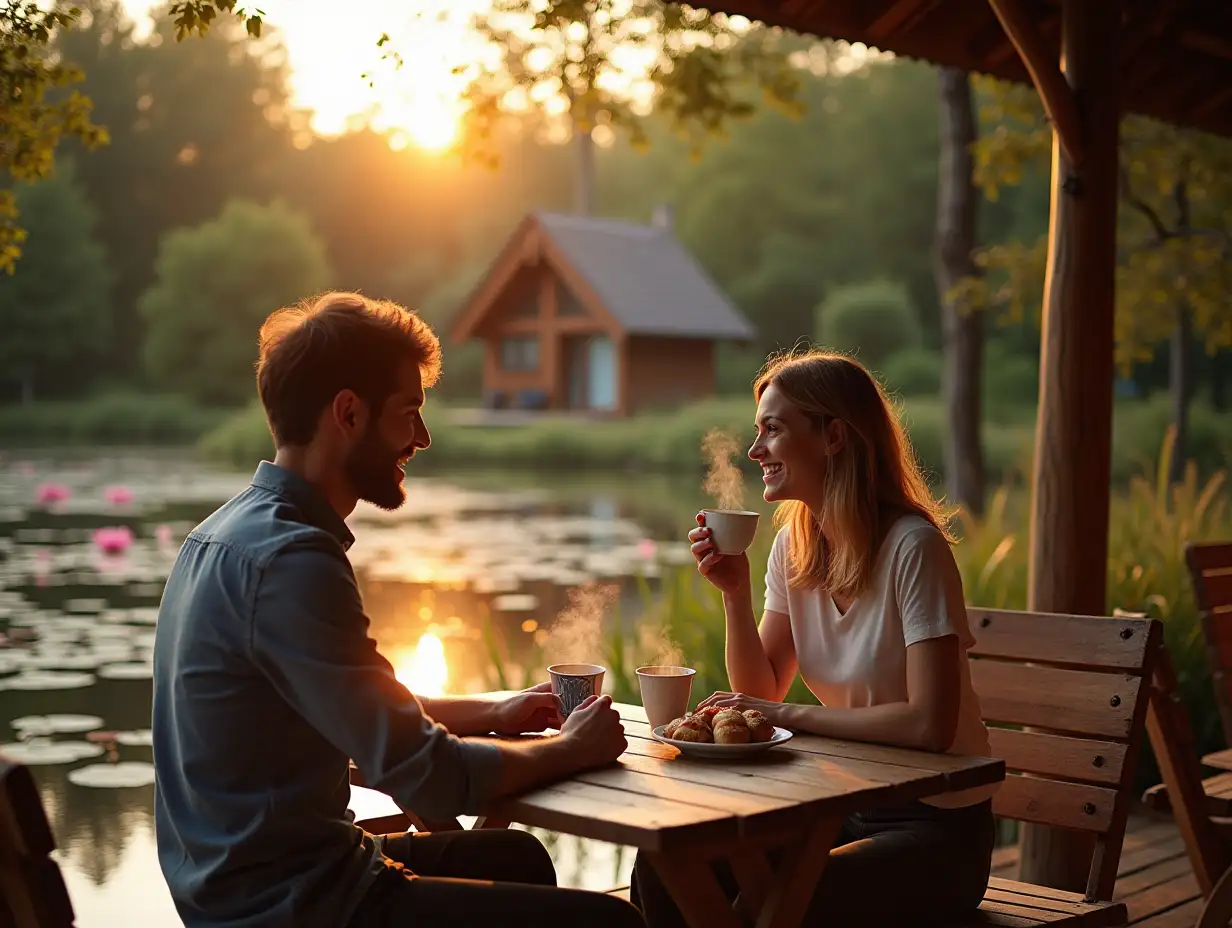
1073	437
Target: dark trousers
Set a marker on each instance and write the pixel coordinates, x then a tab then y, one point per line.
480	878
909	866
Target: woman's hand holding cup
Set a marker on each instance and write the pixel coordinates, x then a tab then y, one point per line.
727	572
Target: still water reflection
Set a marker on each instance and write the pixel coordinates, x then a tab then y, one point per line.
462	585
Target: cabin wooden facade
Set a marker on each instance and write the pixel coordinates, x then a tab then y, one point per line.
599	316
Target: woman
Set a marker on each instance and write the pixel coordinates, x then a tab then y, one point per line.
864	600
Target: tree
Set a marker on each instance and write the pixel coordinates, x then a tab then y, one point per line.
590	60
962	325
35	117
53	307
190	126
215	286
1174	280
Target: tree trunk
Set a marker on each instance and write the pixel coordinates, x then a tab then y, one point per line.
1180	363
584	175
962	329
1073	437
1219	381
1180	385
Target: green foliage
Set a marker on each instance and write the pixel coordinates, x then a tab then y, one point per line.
1173	231
216	285
34	114
872	320
115	418
53	309
566	56
912	372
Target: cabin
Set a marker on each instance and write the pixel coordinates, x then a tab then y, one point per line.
599	316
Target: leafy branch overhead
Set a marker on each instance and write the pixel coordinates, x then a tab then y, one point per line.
39	108
1174	235
598	63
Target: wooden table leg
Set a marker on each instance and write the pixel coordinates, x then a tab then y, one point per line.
695	890
796	880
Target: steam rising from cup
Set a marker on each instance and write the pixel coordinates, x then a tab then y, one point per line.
724	483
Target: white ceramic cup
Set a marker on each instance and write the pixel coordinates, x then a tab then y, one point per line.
665	692
574	682
731	530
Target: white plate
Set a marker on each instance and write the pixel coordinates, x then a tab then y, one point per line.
729	751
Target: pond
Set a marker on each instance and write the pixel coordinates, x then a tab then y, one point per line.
463	586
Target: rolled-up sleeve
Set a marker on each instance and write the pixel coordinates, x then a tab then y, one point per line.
310	638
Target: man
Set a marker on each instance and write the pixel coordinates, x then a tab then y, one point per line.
266	682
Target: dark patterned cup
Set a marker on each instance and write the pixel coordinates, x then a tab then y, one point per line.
574	682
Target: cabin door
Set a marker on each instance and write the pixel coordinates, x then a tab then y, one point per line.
590	372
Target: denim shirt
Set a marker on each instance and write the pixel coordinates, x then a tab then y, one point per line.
266	684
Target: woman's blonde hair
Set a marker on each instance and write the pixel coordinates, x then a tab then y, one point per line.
872	476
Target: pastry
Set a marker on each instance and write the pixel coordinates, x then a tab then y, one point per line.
695	730
760	728
730	727
670	728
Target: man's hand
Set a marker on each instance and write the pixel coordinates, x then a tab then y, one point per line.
594	733
531	710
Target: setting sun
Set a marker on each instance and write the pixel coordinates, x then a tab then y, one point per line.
424	670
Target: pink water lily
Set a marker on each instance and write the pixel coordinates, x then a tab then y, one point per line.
165	535
646	548
118	496
49	493
113	539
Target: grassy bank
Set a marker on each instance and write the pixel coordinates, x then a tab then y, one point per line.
671	441
108	419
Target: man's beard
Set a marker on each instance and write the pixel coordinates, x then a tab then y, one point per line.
372	469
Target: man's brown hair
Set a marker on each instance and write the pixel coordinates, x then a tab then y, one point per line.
338	341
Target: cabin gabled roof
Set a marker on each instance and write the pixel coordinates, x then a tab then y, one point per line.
640	276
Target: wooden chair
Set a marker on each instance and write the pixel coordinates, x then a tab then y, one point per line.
1210	571
32	890
1066	700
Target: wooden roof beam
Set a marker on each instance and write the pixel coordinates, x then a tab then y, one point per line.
1045	73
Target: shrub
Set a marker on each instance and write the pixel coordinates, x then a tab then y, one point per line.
111	418
872	320
914	372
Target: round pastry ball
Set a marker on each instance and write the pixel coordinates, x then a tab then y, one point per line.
760	728
670	728
732	715
694	730
731	731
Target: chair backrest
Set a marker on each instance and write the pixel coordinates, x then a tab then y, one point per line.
1210	571
32	891
1065	697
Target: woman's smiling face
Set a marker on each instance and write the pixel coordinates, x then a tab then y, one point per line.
791	450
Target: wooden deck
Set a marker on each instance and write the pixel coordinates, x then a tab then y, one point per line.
1154	880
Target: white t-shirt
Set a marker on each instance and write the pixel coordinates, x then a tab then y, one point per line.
859	658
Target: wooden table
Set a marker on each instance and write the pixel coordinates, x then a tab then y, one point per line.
686	813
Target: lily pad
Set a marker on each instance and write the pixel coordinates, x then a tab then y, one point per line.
141	738
90	606
515	602
56	724
127	671
48	680
45	751
113	776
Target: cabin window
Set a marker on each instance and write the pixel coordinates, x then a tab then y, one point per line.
520	353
